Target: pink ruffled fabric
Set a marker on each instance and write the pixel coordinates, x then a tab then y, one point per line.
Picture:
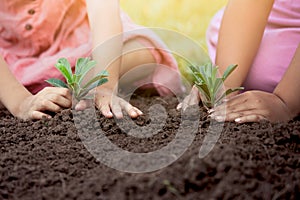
279	43
35	34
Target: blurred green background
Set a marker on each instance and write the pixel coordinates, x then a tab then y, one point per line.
188	17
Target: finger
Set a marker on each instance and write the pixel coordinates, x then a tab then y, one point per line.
60	100
185	104
179	106
138	111
83	104
250	118
117	111
58	96
230	116
47	105
246	100
220	110
132	111
232	106
235	115
65	92
38	115
105	110
192	99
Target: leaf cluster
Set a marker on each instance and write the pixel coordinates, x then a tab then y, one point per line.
74	81
210	84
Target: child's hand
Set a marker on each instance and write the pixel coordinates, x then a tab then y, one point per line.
192	99
111	105
49	99
252	106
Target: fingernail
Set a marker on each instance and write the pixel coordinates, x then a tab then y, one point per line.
78	107
211	110
140	112
109	114
238	120
219	118
133	113
179	106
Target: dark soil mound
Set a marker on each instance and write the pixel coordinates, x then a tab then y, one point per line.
47	159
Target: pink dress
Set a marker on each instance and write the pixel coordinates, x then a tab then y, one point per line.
34	34
279	43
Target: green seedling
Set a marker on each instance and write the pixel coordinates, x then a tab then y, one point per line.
74	81
210	85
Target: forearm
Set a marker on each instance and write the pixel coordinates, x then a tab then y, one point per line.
240	35
105	23
288	89
12	93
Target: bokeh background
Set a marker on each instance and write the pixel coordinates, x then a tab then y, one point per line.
187	17
190	17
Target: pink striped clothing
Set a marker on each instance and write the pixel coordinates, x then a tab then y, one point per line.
34	34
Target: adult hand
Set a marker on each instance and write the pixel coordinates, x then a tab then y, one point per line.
252	106
192	99
49	99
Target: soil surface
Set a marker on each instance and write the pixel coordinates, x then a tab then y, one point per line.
47	159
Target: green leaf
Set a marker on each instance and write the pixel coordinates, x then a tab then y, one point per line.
229	91
86	69
228	71
204	90
198	78
214	79
85	91
217	86
64	67
210	84
100	76
204	71
104	73
193	68
82	67
75	90
80	64
207	100
57	83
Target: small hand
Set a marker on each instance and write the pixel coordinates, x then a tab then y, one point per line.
192	99
111	105
49	99
252	106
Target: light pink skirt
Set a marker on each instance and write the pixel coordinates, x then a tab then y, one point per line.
279	43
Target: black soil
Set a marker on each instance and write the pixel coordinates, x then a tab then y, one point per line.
46	159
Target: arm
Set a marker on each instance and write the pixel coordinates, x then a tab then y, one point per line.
281	105
240	35
105	23
288	89
21	103
8	83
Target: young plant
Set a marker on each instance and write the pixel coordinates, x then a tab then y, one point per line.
210	85
74	81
